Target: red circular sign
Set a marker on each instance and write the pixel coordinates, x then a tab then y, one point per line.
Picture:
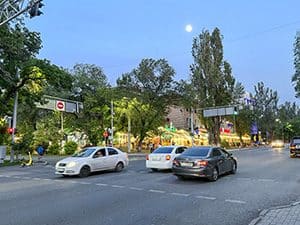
60	105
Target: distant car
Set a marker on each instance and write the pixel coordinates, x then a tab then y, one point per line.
295	146
162	157
277	144
92	159
204	161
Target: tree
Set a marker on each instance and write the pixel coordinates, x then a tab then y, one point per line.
151	83
211	77
91	88
296	76
17	46
265	109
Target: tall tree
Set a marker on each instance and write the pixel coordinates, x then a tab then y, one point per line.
151	83
90	86
211	77
296	76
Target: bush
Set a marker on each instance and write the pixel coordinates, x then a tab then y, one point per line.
54	149
70	147
225	144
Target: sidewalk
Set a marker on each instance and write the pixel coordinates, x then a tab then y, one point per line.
281	215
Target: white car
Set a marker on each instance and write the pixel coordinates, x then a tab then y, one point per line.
92	159
162	157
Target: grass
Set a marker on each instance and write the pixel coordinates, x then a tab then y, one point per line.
8	163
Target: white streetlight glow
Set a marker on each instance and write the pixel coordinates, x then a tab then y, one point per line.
188	28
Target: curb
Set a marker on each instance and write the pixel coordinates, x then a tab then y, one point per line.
265	211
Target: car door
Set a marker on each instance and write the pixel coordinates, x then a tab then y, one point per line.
228	161
99	161
113	157
219	160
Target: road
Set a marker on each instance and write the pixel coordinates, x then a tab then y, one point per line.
35	195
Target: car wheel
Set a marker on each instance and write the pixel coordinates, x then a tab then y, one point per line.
180	177
154	169
215	175
84	171
234	168
119	167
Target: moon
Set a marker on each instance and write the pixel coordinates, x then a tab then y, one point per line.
188	28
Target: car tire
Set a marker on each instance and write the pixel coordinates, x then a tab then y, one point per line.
234	168
119	167
85	171
215	175
154	169
180	177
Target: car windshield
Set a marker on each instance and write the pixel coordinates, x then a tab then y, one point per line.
84	152
202	152
163	150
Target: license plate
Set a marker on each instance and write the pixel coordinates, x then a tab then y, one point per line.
155	158
186	164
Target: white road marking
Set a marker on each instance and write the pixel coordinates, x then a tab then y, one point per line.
83	182
47	179
100	184
180	194
244	178
267	180
206	197
27	178
235	201
36	178
117	186
16	177
156	191
136	189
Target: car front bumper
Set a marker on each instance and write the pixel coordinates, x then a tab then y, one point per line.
67	171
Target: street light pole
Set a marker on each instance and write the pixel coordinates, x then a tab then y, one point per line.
112	122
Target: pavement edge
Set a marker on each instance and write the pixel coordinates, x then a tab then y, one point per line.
265	211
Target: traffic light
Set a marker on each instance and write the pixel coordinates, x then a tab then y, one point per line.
35	9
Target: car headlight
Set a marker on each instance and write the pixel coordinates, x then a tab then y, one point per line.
71	164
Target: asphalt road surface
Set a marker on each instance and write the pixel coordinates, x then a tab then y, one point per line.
36	196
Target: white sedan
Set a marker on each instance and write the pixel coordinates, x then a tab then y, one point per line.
92	159
162	157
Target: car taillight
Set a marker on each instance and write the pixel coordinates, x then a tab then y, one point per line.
147	157
168	157
175	162
202	163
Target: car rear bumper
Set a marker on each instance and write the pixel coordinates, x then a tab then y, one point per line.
159	164
192	172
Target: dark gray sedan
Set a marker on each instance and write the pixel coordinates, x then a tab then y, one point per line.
204	161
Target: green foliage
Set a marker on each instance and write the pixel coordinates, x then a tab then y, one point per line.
266	108
152	89
70	147
296	76
211	77
225	144
54	149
